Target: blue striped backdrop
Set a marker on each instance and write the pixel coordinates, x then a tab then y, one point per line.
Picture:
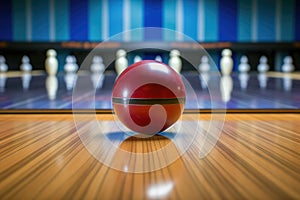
203	20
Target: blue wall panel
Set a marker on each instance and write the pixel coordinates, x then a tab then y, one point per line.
78	20
190	15
61	19
211	20
153	18
230	20
115	17
6	20
40	20
227	28
95	20
244	23
266	30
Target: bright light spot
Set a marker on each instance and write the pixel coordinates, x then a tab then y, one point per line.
125	93
161	190
125	168
158	67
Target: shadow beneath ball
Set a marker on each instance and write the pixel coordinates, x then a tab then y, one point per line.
129	142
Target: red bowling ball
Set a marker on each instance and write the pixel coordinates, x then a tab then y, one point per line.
148	97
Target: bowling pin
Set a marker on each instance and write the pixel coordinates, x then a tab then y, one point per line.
121	62
137	58
158	58
70	65
204	66
70	80
263	65
175	61
26	66
288	64
226	63
51	86
97	80
3	65
97	65
244	67
51	63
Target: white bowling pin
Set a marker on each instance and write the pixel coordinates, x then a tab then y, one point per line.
121	62
175	61
263	65
97	80
26	66
3	65
51	63
97	65
226	63
204	66
70	80
137	58
70	65
288	64
244	66
51	86
158	58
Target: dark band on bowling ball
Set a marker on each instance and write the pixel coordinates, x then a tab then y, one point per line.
149	101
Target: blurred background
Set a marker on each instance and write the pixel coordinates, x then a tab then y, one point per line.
253	27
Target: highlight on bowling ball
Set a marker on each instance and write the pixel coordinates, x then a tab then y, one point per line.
148	97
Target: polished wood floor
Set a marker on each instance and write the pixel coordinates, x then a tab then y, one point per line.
257	157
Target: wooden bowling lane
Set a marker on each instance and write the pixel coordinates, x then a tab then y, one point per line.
256	157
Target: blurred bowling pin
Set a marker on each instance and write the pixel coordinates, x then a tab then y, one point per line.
97	80
244	67
51	86
137	58
226	63
158	58
26	66
51	63
70	65
97	65
288	64
204	66
3	65
175	61
121	62
70	80
263	65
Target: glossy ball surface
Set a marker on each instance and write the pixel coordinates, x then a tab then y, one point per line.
148	97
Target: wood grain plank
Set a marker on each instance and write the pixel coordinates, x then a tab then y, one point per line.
257	157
